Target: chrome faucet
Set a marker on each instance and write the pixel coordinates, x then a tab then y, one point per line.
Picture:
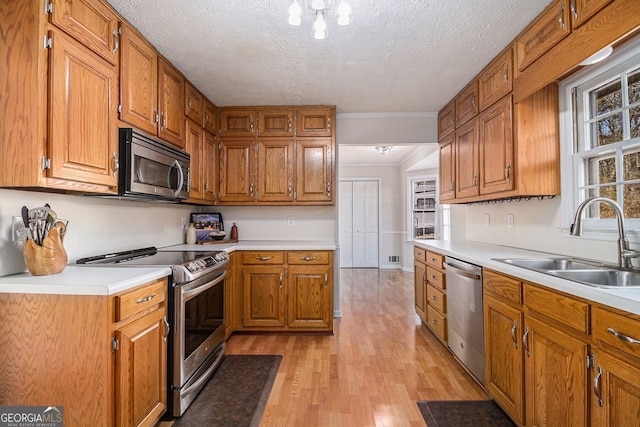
624	252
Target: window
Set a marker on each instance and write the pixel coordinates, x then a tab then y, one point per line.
600	114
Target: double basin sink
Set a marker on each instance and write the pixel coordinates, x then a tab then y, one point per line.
579	270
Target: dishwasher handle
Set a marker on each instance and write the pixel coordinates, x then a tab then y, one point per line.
459	271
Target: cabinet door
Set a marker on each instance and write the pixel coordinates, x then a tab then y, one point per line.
314	122
237	123
556	376
171	104
309	293
275	122
447	120
264	296
138	82
83	142
275	170
496	80
615	392
447	168
420	285
582	10
209	163
195	147
467	160
314	179
504	364
91	22
193	103
549	28
237	171
467	104
496	148
210	118
141	370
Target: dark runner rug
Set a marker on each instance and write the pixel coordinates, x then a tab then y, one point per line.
236	394
462	413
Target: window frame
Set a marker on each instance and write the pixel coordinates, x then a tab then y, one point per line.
624	59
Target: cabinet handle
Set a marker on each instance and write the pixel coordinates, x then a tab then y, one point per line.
329	189
308	258
290	125
573	9
452	185
433	277
251	125
251	189
524	341
329	124
561	17
116	38
290	188
473	102
280	280
263	258
434	298
451	120
434	321
507	172
167	328
189	104
145	299
623	337
506	74
596	386
475	180
326	280
513	334
115	164
157	118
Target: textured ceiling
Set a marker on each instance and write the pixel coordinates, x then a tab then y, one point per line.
396	56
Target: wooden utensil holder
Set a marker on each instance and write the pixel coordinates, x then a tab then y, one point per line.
50	258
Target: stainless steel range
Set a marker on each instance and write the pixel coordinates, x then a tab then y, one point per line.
196	313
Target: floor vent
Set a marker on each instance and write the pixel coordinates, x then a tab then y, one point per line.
394	258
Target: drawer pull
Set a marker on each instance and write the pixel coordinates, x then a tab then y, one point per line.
513	334
145	299
308	258
596	386
434	321
524	341
167	328
434	298
263	258
623	337
433	277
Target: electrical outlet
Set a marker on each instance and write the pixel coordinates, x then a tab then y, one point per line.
510	221
18	231
184	223
487	220
290	220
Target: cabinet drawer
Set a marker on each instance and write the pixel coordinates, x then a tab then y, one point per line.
308	257
419	254
437	323
502	286
435	260
436	299
140	298
267	257
435	277
566	310
607	324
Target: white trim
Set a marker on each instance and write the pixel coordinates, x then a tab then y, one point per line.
390	115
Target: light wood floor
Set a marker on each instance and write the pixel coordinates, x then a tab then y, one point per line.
371	372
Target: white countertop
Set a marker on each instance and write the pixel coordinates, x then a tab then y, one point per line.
93	280
482	254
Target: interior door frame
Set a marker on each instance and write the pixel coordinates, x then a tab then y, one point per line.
364	178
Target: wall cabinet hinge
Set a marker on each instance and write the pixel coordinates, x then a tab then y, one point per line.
591	361
115	345
286	273
286	320
48	42
48	7
295	195
218	195
242	319
46	163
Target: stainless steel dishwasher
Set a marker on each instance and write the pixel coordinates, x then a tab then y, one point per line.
465	314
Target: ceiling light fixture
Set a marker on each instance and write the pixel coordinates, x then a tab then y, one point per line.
319	8
383	150
600	55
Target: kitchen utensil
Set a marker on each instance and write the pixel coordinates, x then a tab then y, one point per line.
25	221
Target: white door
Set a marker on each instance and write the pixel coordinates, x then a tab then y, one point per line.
358	224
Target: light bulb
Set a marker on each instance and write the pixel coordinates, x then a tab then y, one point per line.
344	9
344	20
295	10
295	20
320	25
319	35
317	4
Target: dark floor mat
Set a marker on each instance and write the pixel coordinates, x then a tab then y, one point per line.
236	394
462	413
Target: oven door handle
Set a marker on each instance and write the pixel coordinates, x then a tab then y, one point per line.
195	387
187	294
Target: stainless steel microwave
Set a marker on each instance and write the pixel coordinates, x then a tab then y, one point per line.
151	169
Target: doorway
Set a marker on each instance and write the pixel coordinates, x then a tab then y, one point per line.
359	223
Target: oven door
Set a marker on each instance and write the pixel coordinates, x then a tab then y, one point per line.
198	325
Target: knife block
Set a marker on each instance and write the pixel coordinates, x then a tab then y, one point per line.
50	258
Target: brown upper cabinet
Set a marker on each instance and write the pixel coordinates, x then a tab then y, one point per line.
314	170
447	120
447	167
152	97
210	118
91	22
237	174
315	121
582	10
237	122
275	122
496	148
467	104
193	103
275	170
496	80
467	148
548	29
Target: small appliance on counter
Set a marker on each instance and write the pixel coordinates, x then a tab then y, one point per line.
209	228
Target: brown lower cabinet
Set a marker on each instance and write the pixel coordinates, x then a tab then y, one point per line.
101	358
430	291
285	291
551	358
